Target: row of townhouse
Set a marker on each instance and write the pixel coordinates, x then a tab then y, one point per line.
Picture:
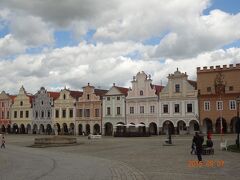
182	106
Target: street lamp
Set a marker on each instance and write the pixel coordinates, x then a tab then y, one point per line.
238	121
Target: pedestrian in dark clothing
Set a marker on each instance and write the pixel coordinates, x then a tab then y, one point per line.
193	148
198	140
3	142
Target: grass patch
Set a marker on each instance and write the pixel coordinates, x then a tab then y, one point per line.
233	148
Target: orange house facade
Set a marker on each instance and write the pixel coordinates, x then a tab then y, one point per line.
218	88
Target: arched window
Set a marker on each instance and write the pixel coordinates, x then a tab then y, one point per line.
141	93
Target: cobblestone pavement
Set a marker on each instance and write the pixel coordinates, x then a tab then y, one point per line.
115	158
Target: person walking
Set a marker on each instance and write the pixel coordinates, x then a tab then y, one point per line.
3	143
198	140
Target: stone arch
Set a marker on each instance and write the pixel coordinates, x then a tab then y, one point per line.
29	129
49	129
193	126
153	128
22	129
88	129
58	127
96	129
142	127
71	128
8	128
80	129
3	129
181	127
233	124
35	129
218	125
15	128
108	129
207	125
65	128
41	129
168	127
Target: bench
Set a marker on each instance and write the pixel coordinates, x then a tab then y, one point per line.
223	145
91	136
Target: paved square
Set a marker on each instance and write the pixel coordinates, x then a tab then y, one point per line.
116	158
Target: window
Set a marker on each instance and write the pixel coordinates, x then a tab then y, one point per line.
141	93
176	108
64	96
80	113
42	102
219	105
21	103
108	98
15	114
21	114
141	109
152	109
118	111
8	115
131	110
57	113
36	114
209	89
70	113
86	112
3	114
27	114
108	110
165	108
96	112
206	105
230	88
232	105
49	113
2	104
177	88
118	98
189	108
42	114
88	96
64	113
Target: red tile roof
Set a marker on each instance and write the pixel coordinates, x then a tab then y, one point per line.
100	92
193	83
54	95
158	88
76	94
123	90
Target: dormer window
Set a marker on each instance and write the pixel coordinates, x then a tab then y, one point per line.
64	96
141	93
88	96
177	88
21	103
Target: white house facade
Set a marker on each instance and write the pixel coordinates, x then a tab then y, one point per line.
178	105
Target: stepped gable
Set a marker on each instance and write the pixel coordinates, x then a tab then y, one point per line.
54	95
218	68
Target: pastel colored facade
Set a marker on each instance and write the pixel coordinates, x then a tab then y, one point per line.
179	105
218	89
89	111
21	112
65	111
142	104
6	101
114	109
43	111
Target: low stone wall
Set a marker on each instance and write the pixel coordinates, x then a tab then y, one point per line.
55	140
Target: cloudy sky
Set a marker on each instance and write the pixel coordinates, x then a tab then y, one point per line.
57	43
